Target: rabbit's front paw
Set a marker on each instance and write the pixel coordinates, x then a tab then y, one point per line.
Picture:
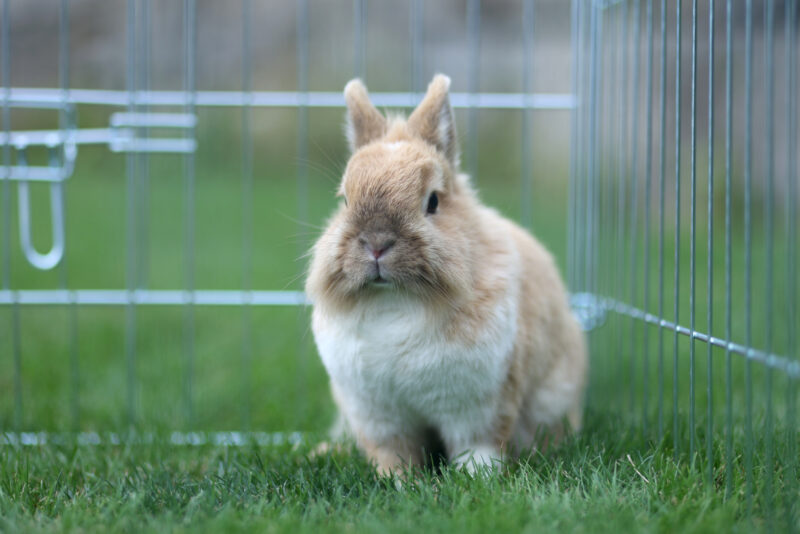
480	459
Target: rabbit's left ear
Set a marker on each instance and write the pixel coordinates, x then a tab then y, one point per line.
433	119
365	123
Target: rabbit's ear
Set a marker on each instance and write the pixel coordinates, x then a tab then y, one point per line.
433	119
364	122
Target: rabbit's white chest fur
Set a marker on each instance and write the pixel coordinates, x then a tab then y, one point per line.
394	367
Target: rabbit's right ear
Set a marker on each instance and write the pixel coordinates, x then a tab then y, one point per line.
433	119
364	122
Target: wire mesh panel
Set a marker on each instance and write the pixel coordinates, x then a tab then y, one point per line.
684	229
193	152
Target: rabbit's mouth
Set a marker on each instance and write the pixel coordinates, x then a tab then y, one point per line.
380	281
377	275
377	278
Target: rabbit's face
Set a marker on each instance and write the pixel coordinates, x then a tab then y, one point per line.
404	224
396	203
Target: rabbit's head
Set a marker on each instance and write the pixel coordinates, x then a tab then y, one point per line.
403	224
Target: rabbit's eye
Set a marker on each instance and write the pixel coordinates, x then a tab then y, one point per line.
433	203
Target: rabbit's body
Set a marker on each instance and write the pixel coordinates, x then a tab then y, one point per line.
469	335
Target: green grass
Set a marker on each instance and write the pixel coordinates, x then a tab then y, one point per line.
607	480
622	473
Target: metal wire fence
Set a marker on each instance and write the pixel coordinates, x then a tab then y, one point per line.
146	126
683	228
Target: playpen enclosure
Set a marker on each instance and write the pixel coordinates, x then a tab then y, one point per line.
183	198
176	195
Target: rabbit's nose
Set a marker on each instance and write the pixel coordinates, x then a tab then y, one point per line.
378	244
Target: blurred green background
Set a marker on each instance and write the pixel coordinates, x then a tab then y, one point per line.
282	385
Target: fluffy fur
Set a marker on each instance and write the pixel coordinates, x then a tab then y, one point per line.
452	324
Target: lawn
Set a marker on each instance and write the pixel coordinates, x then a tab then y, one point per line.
606	480
255	369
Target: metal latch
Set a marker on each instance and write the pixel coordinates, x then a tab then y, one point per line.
61	153
127	132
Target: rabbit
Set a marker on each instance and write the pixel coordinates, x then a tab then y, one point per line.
437	320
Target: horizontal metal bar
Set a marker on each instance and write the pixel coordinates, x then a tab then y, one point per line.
787	366
121	139
152	144
152	297
34	173
154	120
564	101
47	138
19	99
192	439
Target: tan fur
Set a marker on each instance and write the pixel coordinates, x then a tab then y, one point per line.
427	119
365	123
456	261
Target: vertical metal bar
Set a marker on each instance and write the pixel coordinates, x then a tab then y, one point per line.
302	171
302	130
595	190
131	226
622	182
611	172
605	160
710	242
5	72
634	178
790	25
748	254
573	144
648	171
676	287
770	223
360	38
728	249
72	311
596	144
621	185
577	134
597	174
693	235
526	151
16	338
599	168
585	84
63	82
581	134
613	147
661	200
189	51
610	147
579	121
592	90
591	174
247	211
143	164
417	58
474	36
589	98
